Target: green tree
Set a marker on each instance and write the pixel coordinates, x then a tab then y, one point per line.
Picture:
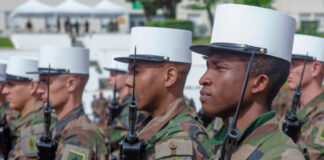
259	3
170	6
150	7
204	5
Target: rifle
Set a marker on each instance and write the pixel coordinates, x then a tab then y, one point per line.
46	146
232	135
205	118
5	139
131	147
114	108
291	125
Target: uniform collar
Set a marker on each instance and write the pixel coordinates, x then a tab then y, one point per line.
76	111
158	122
256	123
37	106
310	106
74	114
23	119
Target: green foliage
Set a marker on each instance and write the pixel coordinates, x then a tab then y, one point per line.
308	27
5	43
150	7
259	3
173	23
201	41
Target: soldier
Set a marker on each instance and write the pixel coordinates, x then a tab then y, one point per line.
240	34
172	130
7	116
11	114
311	109
21	94
76	136
117	128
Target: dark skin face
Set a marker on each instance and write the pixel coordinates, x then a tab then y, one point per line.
148	80
222	84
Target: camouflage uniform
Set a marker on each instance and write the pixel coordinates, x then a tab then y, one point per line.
118	130
312	130
11	115
214	126
99	110
28	129
261	139
176	133
78	138
282	102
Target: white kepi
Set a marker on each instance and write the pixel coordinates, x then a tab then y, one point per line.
311	45
159	45
18	66
3	66
63	60
247	29
117	66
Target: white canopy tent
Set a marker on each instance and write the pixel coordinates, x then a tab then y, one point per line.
105	8
72	8
32	8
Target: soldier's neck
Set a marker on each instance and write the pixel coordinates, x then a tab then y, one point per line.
309	92
72	103
163	104
247	115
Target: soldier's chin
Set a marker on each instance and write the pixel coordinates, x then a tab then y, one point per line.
209	110
292	86
217	111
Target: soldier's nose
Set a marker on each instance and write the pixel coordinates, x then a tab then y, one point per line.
204	80
129	82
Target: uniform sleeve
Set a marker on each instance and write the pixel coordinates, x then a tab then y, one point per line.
81	144
314	137
283	152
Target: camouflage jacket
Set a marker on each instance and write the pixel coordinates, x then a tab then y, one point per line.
118	130
214	126
312	130
99	107
11	114
28	129
7	117
78	138
282	102
176	133
261	140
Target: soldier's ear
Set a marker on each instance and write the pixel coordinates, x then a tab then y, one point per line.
259	83
71	83
170	76
316	69
33	87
